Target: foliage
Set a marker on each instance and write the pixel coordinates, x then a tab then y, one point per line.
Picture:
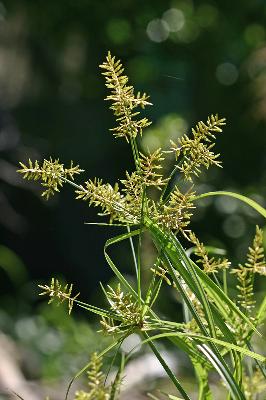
218	330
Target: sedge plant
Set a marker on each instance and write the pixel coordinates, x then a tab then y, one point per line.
217	330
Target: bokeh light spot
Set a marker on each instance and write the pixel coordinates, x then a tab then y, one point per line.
226	73
254	35
227	205
119	31
131	343
142	69
157	30
207	15
174	19
169	127
188	33
234	226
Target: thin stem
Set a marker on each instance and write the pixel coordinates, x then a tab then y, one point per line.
135	154
139	242
79	187
225	281
169	180
216	280
186	313
167	369
119	206
133	252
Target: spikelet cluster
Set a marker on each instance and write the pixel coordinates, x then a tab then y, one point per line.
209	265
108	198
51	173
176	213
256	257
124	101
193	153
150	166
133	190
162	273
128	311
59	293
97	390
256	263
254	385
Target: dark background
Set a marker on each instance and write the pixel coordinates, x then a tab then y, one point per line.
193	58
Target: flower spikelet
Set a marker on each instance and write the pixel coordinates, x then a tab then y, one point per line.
150	166
96	378
196	152
126	309
254	385
210	265
133	192
256	258
124	101
245	273
51	173
162	273
177	212
245	278
59	293
107	197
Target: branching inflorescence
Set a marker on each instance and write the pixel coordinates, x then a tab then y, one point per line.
154	201
59	293
97	389
256	264
196	152
51	173
124	101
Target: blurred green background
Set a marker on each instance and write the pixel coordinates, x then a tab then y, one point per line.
194	58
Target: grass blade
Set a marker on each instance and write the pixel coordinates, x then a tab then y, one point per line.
167	369
245	199
201	338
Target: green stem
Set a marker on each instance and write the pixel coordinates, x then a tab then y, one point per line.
166	186
139	241
79	187
225	281
135	152
167	369
202	377
133	252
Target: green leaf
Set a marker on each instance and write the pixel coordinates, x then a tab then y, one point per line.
245	199
116	271
219	366
166	368
202	338
175	252
99	311
261	315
